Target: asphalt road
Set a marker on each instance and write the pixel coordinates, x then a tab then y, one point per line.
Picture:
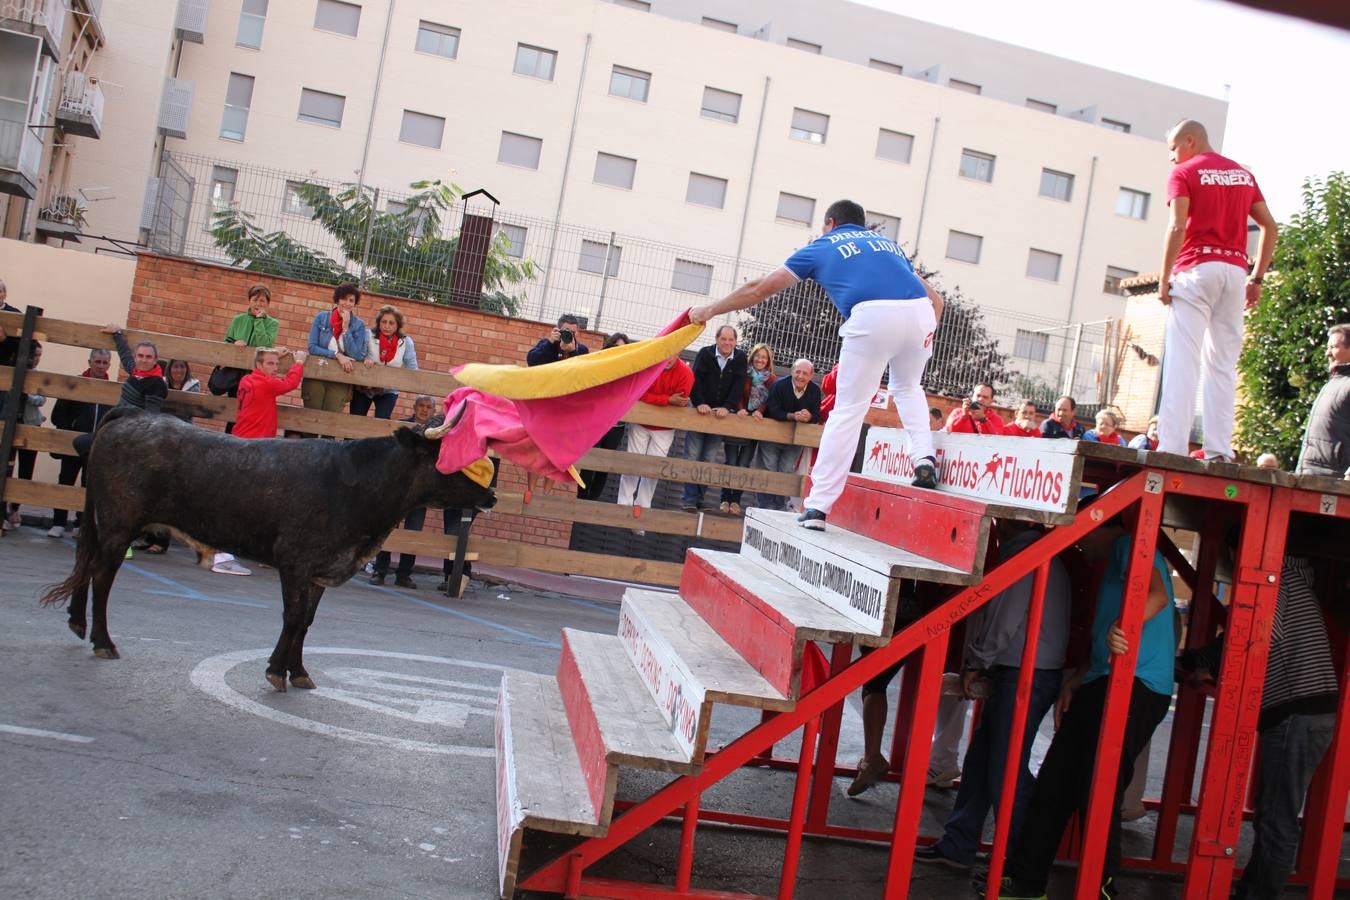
177	772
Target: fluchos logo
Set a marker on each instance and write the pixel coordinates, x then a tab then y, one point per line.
1004	474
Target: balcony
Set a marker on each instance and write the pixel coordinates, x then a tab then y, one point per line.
175	107
81	108
190	21
20	157
62	219
44	19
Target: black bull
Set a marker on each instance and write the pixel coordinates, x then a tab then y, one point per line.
314	509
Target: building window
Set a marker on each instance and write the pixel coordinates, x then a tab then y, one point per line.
422	129
293	204
630	83
976	165
968	86
535	62
706	190
1042	106
320	108
515	237
719	25
337	17
1114	276
721	105
520	150
1031	345
615	171
1116	126
691	277
438	40
639	5
809	126
223	183
1056	185
883	224
894	145
809	47
593	254
964	247
882	66
252	17
1043	264
795	208
1132	203
238	99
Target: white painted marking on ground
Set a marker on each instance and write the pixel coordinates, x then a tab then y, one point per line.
209	677
43	733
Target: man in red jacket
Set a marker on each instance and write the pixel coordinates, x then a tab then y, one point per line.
259	390
976	415
671	388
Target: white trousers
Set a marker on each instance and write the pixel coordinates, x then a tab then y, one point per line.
878	333
1204	325
653	443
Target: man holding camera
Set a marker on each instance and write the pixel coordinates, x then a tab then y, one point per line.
561	343
976	415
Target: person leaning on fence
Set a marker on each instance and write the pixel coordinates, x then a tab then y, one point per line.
30	413
976	414
719	379
1148	439
671	388
1024	425
996	637
178	377
9	343
795	399
259	390
560	343
340	335
77	415
1063	422
1065	777
1326	437
252	328
740	452
1106	431
595	480
144	387
424	407
388	346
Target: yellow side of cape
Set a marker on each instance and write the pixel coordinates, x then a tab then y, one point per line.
577	373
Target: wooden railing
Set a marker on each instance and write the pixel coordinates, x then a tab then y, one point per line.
545	504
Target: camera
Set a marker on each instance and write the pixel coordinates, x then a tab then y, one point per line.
975	406
565	336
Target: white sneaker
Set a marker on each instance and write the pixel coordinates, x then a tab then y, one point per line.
229	567
75	533
942	778
56	531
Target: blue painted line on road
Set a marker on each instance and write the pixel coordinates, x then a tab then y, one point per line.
478	620
207	599
185	592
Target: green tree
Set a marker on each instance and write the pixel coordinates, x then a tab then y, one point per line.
1283	366
407	257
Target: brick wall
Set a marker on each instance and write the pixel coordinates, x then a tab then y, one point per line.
198	300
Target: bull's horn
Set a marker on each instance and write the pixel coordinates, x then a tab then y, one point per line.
440	431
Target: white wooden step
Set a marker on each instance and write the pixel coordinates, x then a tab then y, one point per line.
682	659
854	575
540	783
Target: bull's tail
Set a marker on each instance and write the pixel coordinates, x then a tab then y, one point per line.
86	550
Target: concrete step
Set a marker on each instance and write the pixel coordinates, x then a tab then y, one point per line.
764	618
682	660
540	783
856	576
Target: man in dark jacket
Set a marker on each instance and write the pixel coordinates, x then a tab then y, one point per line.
76	415
1326	440
795	399
559	344
719	381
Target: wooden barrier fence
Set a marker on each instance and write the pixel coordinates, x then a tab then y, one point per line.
546	505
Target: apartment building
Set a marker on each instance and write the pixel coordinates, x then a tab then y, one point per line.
720	129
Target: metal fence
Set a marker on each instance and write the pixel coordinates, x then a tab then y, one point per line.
612	282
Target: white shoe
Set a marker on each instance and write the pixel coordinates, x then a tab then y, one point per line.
75	533
56	531
5	526
229	567
942	778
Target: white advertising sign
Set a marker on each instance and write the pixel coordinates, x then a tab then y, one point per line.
678	695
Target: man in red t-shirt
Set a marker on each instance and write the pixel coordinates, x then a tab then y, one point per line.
1203	272
976	415
259	390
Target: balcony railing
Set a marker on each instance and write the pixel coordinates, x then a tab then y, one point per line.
44	18
81	108
20	157
175	107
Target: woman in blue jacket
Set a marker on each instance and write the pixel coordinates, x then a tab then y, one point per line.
339	335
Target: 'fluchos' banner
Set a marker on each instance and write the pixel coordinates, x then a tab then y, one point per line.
1029	472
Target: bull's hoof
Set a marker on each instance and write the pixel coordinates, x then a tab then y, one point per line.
277	681
77	628
106	653
304	682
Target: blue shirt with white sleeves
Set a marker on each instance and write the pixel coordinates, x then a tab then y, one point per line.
855	264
